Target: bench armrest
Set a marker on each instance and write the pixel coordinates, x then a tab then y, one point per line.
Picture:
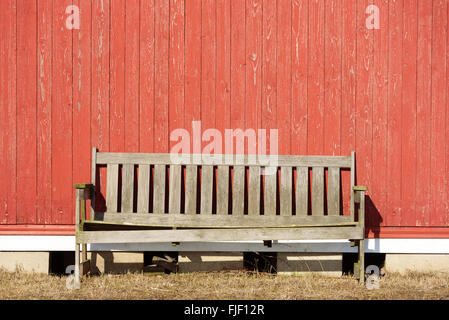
359	197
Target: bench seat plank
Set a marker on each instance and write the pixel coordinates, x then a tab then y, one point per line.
132	236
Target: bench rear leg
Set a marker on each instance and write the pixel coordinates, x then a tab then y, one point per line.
77	283
361	250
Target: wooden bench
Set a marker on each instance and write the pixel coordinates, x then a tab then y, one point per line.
151	199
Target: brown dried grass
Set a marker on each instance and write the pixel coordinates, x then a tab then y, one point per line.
222	285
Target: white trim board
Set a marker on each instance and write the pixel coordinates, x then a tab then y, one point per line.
67	243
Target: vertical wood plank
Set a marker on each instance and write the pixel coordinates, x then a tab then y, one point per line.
286	191
82	40
318	191
26	115
223	190
100	86
437	125
284	77
408	114
62	128
127	188
8	111
112	188
238	191
424	94
208	64
316	83
254	191
143	189
364	97
270	193
174	202
332	78
176	68
44	51
191	189
147	76
132	16
117	77
223	71
159	189
378	189
238	64
299	47
302	191
333	191
192	66
161	137
392	216
253	81
349	66
207	173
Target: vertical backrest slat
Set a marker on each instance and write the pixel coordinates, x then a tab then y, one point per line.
302	191
127	187
333	191
174	203
270	193
112	188
318	191
286	191
238	190
207	177
191	188
93	178
352	184
159	189
254	191
143	189
222	189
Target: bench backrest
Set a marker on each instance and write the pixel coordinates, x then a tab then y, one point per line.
151	183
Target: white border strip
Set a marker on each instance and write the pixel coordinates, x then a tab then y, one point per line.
67	243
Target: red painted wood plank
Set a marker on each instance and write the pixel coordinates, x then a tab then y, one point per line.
147	76
393	216
238	63
300	57
100	124
8	112
44	106
117	77
315	141
378	190
132	75
409	82
223	76
192	65
333	64
424	57
364	98
439	73
62	103
208	64
348	84
253	81
26	111
284	75
81	96
161	137
176	67
269	70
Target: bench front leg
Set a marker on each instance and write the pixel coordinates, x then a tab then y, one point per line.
359	197
83	193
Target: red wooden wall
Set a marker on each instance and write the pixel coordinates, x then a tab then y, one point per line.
136	70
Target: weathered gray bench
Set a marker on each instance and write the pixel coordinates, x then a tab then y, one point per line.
151	199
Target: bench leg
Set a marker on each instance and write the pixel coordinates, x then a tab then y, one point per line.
361	247
77	284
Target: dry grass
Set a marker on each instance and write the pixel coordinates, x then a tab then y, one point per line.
222	285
